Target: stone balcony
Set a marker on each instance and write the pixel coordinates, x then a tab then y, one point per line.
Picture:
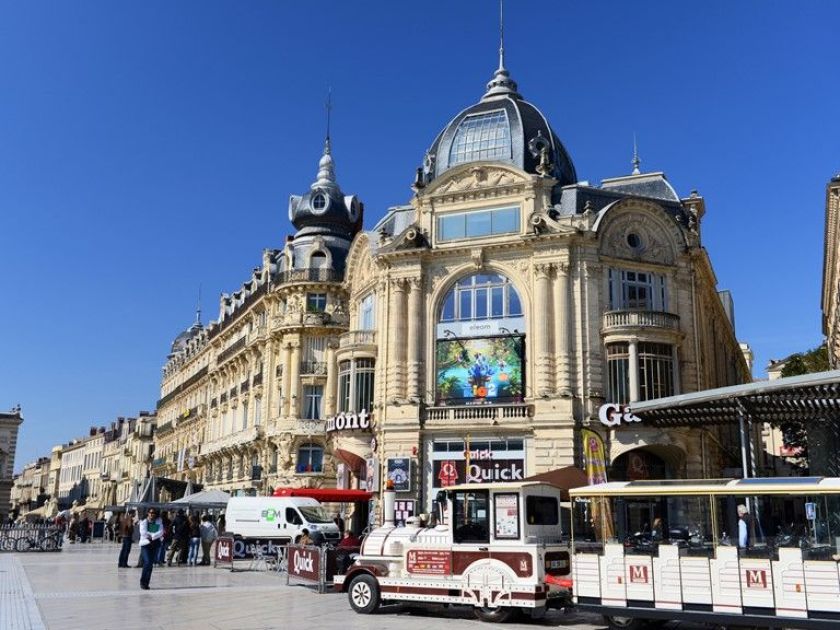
628	320
242	437
358	340
487	414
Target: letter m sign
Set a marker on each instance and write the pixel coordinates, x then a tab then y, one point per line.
756	578
638	574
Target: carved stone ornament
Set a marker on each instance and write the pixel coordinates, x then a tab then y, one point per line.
637	237
475	178
477	257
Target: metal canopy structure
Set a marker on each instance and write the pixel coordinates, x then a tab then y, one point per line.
803	398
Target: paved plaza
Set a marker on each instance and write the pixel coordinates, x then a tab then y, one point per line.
82	588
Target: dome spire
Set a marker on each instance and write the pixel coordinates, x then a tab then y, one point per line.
501	84
326	168
636	161
198	307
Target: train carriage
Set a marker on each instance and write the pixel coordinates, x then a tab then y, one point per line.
755	551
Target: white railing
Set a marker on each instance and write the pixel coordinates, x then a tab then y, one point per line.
483	413
641	319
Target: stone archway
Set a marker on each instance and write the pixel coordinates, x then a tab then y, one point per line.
648	462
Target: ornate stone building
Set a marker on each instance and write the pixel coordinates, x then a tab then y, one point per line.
10	422
469	336
831	272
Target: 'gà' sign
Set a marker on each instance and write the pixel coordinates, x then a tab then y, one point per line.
612	415
349	421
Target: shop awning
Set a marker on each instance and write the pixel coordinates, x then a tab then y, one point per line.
325	495
803	398
564	478
354	462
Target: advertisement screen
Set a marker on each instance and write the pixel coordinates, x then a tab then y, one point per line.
479	371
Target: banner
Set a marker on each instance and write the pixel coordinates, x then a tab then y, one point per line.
479	371
595	459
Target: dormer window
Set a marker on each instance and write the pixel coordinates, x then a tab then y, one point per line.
319	202
481	137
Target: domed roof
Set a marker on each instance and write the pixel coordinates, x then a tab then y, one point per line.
501	127
181	340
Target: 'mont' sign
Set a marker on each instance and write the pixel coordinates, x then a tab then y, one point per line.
349	421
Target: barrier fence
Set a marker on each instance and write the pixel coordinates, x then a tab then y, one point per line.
31	538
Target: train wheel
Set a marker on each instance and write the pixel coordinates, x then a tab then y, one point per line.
494	615
626	623
364	594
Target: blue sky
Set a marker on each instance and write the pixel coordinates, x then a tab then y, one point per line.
149	147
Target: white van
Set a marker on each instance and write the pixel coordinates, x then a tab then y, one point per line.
279	519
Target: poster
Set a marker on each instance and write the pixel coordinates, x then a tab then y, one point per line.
506	510
399	472
403	510
372	474
479	371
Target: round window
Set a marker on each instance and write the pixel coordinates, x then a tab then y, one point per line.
319	202
634	241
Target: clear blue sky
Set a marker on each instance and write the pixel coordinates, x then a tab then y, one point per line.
149	147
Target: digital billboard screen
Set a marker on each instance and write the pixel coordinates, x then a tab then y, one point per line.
479	371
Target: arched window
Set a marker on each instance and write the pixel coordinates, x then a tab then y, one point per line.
482	296
310	458
318	260
481	137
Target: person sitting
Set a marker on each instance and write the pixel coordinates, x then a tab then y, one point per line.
350	540
304	538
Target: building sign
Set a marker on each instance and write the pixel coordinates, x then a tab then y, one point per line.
612	415
304	563
479	371
429	561
495	327
349	421
399	472
450	472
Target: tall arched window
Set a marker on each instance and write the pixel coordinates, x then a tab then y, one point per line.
482	296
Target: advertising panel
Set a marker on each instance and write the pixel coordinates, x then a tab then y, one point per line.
450	472
506	512
304	563
479	371
399	472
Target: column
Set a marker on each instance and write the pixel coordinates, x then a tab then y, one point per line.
332	373
676	370
540	323
286	388
397	341
562	360
633	369
295	390
415	338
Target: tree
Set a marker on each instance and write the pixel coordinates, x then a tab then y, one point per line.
817	436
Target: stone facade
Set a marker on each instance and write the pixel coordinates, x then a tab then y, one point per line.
10	422
471	334
831	272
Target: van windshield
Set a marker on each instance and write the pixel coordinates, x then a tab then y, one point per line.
314	514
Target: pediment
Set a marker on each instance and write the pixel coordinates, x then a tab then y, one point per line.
474	177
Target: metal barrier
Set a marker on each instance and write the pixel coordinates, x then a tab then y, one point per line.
315	566
31	538
224	552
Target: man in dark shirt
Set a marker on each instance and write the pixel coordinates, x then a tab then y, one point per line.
126	531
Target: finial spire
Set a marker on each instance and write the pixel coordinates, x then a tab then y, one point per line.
636	161
198	307
501	85
501	34
326	168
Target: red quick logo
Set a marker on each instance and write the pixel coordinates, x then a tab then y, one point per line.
303	562
638	573
756	578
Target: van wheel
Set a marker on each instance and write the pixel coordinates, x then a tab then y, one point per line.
627	623
364	594
494	615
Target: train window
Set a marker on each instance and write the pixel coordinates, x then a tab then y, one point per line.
472	516
541	510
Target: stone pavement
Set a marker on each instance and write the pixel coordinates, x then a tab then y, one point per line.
81	588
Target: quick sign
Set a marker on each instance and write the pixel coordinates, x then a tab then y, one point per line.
349	421
451	472
304	563
612	415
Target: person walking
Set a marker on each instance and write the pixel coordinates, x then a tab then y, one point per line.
208	535
194	528
73	529
180	538
126	531
151	533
